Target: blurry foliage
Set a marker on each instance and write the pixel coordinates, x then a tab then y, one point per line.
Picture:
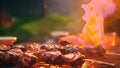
26	27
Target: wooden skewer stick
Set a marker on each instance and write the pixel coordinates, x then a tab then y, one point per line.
100	63
113	54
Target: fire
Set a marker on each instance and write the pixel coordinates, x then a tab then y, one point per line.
95	12
113	39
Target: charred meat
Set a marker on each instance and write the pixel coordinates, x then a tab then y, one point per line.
53	57
74	59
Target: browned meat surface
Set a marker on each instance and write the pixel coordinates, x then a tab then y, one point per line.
94	51
21	46
74	59
32	47
26	55
4	47
70	49
10	57
50	47
20	56
53	57
27	60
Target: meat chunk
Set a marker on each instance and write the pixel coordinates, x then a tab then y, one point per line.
70	49
69	39
94	50
32	47
10	57
27	60
20	56
4	47
39	53
2	55
50	47
53	57
20	46
13	56
74	59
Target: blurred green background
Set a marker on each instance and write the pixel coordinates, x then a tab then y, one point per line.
37	29
34	20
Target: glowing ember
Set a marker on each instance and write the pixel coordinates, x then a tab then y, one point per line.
95	12
113	39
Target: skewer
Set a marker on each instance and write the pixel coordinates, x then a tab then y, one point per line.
100	63
113	54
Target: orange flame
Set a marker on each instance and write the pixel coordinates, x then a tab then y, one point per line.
113	39
95	12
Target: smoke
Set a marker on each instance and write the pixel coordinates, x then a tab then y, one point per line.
70	8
